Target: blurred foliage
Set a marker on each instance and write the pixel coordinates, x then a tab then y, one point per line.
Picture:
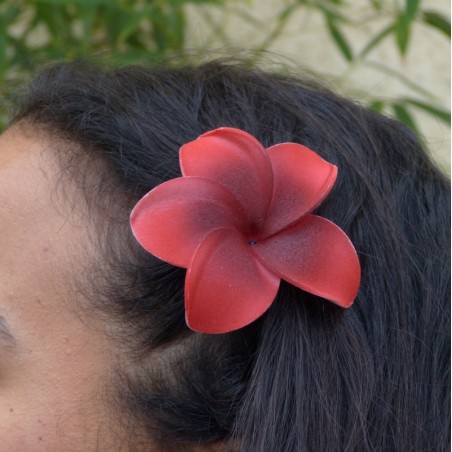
33	32
399	18
36	31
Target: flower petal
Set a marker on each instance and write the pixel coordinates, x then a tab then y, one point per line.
301	181
316	256
173	218
226	287
236	160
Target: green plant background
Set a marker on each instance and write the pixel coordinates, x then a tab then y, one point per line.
34	32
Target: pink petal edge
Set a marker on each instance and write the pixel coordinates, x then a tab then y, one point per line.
226	287
316	256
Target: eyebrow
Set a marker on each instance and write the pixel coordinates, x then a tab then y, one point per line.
6	337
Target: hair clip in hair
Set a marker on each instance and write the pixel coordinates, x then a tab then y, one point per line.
240	221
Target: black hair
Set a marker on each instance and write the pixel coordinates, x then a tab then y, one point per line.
306	376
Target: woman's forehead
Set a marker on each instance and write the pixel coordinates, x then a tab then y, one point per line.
41	241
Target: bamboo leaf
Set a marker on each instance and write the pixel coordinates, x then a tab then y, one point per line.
402	28
377	106
286	12
3	55
131	25
404	116
411	9
437	21
198	2
54	19
115	19
88	16
332	11
376	40
339	39
7	16
376	4
403	24
442	114
84	3
176	22
160	28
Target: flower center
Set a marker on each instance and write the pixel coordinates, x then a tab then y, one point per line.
252	242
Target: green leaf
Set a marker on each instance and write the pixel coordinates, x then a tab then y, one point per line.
442	114
55	19
131	24
286	12
437	21
404	116
3	55
197	2
115	19
332	12
8	14
402	28
11	12
377	106
176	28
83	3
376	40
403	24
339	39
160	28
411	9
88	17
376	4
200	2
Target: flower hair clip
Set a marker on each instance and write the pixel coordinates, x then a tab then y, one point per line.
239	219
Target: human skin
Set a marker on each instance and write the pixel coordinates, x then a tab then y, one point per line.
53	372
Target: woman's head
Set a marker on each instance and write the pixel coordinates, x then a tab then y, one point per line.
305	376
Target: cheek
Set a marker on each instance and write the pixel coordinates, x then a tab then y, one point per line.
33	422
34	425
52	382
50	403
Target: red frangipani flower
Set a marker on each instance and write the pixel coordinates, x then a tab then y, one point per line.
239	220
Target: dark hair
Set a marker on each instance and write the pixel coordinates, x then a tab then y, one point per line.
307	375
